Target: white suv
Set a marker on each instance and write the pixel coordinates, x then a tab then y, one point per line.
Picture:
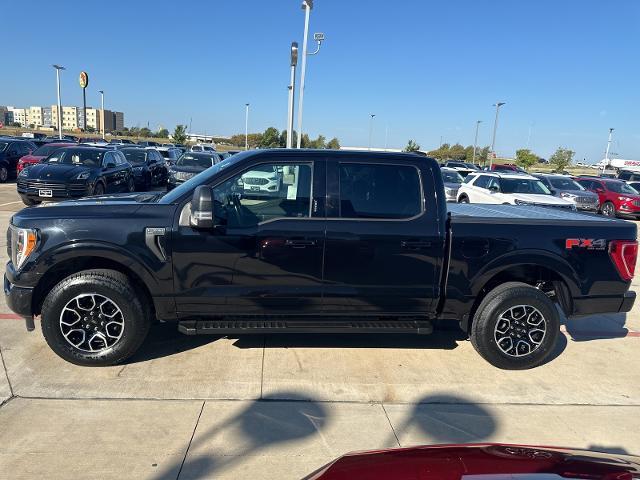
508	188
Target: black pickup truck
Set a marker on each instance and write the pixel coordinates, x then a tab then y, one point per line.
312	241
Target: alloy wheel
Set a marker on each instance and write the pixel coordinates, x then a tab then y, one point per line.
91	322
520	330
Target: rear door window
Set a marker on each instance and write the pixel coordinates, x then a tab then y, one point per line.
378	191
482	181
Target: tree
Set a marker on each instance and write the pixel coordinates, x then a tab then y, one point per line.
145	132
525	158
16	124
320	142
483	155
456	152
334	144
91	129
270	138
412	146
561	159
180	134
162	133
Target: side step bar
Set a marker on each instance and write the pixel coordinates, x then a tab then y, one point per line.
281	325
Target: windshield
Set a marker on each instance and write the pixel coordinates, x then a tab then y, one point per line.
77	156
565	184
135	156
621	187
523	185
451	177
195	160
46	150
199	179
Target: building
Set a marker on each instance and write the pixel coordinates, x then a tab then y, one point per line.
35	116
118	121
73	118
46	117
18	115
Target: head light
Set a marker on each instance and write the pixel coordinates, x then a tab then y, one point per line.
83	175
23	172
23	243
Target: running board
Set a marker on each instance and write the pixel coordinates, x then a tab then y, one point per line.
343	325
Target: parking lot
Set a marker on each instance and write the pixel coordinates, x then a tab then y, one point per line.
209	407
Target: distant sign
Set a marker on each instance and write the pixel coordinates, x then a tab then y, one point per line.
84	79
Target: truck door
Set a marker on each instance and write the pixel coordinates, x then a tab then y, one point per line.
265	257
384	246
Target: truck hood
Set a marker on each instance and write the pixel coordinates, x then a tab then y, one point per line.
55	172
539	199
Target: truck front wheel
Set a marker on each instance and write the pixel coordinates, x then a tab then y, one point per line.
94	318
515	327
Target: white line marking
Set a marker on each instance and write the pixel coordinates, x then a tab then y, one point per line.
10	203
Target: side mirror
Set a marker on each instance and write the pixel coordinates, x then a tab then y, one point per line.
493	189
202	208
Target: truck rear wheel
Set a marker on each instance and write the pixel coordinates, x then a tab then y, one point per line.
515	327
94	318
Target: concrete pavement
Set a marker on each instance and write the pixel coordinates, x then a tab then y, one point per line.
281	406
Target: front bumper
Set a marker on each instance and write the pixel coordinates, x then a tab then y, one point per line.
58	192
19	300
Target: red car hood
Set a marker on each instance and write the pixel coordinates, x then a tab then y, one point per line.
480	462
31	158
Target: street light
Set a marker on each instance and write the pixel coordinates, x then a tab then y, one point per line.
307	5
372	115
246	126
101	112
58	68
495	127
475	142
292	93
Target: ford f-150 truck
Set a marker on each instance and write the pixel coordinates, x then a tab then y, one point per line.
347	242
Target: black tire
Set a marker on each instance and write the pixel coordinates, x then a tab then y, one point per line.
131	185
4	174
116	287
608	209
98	189
29	202
499	301
463	199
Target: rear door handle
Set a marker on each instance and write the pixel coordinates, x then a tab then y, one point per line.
414	244
300	243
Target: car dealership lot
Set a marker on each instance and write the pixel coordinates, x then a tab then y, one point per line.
281	406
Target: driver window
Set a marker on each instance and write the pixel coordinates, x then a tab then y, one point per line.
265	192
493	182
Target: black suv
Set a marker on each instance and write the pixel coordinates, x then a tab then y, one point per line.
148	167
11	150
75	172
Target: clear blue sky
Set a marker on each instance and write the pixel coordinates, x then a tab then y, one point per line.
569	69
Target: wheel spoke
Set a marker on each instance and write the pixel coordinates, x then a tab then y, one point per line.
520	330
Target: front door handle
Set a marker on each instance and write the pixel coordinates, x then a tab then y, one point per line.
414	244
300	243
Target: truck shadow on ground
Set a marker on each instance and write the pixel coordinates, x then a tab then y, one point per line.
288	418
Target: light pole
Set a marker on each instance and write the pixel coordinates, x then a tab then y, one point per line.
58	68
475	142
292	93
307	5
372	115
606	153
101	113
495	128
246	126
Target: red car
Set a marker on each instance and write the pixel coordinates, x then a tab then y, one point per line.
617	199
505	167
40	154
479	461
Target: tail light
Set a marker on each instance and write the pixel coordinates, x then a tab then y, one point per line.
624	253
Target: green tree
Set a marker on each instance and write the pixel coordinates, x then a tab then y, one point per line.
561	159
145	132
270	138
482	155
457	152
412	146
525	158
162	133
16	124
180	134
334	144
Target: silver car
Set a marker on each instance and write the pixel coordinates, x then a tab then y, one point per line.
452	181
566	187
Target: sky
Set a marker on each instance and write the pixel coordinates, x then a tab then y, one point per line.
568	70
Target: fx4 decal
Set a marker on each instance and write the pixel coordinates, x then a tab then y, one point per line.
588	243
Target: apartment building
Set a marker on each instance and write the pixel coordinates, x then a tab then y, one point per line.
73	118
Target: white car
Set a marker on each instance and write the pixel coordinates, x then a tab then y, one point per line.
510	189
209	147
262	182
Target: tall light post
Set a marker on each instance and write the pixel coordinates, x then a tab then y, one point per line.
307	5
246	126
475	142
292	93
606	153
495	128
101	112
372	115
58	68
